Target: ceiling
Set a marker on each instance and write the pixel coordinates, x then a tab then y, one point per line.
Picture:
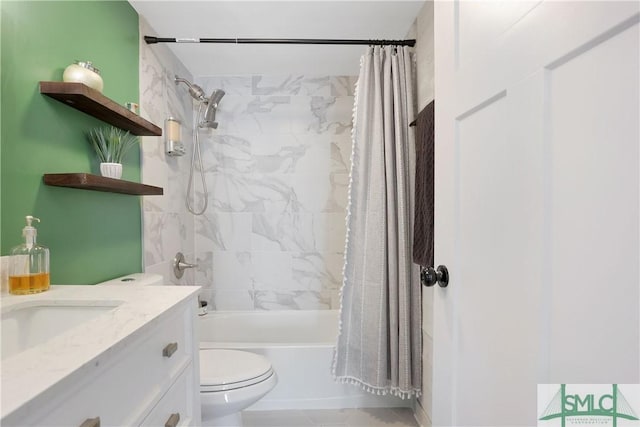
275	19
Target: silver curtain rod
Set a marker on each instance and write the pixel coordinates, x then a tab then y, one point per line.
153	40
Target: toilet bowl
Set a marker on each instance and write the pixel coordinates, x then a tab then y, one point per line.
230	380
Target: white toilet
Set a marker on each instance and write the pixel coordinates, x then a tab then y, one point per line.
230	380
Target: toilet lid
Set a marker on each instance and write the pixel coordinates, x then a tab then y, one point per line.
231	369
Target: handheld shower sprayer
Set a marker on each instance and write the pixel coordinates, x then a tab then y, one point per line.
208	120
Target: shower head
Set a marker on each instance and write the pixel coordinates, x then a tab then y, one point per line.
209	120
194	90
216	96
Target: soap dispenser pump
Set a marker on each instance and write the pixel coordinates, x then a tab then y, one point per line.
29	264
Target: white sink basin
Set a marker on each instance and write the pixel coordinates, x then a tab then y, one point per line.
27	325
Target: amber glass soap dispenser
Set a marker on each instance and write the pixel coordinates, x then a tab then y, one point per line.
29	264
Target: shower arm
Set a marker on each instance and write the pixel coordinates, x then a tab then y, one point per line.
179	80
195	90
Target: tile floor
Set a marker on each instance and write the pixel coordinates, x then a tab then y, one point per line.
365	417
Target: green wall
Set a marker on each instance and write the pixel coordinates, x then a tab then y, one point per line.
92	236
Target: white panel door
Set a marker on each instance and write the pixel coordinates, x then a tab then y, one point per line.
537	203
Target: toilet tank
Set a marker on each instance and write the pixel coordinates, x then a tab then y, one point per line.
136	279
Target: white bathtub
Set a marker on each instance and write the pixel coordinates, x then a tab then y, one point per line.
299	344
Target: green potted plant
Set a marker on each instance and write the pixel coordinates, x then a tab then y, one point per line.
111	144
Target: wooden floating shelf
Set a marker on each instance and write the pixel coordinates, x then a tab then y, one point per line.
87	181
93	103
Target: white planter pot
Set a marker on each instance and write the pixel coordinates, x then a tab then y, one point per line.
111	170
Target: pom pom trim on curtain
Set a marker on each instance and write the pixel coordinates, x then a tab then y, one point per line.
379	344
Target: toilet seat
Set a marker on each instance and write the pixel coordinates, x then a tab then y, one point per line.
222	370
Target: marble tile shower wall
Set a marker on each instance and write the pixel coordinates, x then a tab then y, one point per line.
168	227
277	169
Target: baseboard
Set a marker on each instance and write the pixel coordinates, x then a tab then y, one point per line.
421	415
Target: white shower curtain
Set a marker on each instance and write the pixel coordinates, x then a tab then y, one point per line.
379	344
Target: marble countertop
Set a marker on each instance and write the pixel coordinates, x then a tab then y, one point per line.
32	375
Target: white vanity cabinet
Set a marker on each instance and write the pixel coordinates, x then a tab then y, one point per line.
150	380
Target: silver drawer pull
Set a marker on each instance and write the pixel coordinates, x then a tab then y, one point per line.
170	349
173	420
91	422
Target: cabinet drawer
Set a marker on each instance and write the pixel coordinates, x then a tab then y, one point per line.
174	405
129	384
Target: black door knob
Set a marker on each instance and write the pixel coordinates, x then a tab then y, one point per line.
430	276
